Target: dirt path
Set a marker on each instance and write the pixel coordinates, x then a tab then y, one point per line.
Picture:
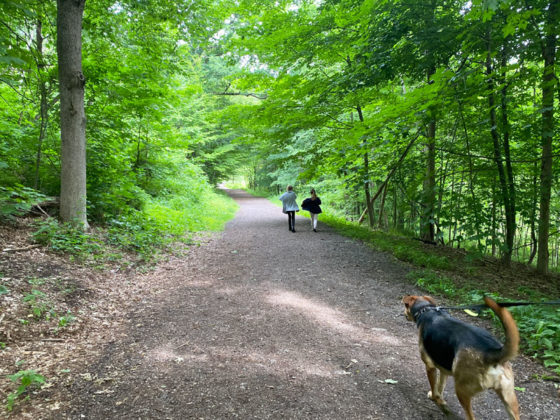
264	323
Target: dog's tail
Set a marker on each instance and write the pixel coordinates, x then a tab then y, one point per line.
511	346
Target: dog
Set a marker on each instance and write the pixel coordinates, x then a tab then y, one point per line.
475	359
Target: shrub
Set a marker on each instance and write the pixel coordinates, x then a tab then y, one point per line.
18	200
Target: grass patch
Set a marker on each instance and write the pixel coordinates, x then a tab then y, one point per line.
403	248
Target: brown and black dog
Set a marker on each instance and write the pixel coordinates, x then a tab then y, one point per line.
475	359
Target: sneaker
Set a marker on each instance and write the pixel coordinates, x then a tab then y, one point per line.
314	230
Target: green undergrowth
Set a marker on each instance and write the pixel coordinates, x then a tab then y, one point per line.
403	248
145	232
17	200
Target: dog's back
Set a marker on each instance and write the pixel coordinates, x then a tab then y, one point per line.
443	337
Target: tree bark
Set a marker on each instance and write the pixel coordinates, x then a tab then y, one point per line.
533	234
369	203
498	159
511	211
72	112
44	106
548	88
427	230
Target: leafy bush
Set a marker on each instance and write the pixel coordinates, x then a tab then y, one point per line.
540	328
164	220
18	200
66	238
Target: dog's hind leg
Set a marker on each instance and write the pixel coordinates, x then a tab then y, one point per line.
510	402
465	398
506	392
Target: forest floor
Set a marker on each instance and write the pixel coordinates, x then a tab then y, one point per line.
253	322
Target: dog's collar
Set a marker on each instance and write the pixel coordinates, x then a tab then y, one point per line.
417	314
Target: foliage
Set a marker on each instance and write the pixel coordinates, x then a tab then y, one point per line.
27	379
540	327
66	238
38	304
189	205
17	200
433	283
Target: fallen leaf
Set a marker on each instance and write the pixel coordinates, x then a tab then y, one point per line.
471	313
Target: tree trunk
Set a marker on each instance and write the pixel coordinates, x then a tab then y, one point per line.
548	88
395	214
533	234
508	247
382	207
511	211
471	174
43	113
494	228
72	113
429	189
369	204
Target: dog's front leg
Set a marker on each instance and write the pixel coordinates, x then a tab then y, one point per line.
437	383
436	378
442	380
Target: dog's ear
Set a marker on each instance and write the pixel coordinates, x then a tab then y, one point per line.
430	299
409	300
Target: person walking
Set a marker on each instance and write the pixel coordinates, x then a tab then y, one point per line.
289	207
312	205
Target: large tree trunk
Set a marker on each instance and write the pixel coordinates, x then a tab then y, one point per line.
548	87
533	217
72	113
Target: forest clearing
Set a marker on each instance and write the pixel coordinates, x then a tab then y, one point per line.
144	274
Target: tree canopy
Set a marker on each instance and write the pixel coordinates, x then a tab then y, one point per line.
437	119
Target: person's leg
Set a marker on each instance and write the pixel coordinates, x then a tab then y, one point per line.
314	218
289	220
293	216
